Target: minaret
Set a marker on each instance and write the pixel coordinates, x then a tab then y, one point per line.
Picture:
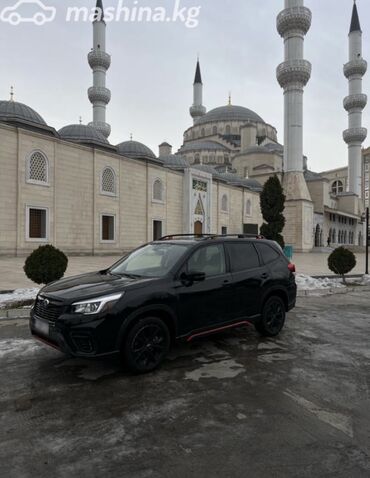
197	110
354	103
99	62
293	75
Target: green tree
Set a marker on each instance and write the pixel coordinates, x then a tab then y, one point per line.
45	264
272	201
341	261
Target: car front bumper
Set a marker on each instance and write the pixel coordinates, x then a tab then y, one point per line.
78	337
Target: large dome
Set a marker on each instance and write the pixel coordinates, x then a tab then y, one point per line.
230	113
14	111
80	133
135	150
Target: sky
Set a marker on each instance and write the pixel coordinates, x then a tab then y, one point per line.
153	66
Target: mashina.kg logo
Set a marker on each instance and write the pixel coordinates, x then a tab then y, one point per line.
28	11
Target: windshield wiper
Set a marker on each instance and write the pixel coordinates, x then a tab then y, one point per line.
131	276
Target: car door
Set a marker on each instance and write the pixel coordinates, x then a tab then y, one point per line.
248	277
205	304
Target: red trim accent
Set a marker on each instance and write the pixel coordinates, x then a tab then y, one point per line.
46	342
291	267
219	329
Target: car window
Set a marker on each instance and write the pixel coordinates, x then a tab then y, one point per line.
243	256
153	260
209	259
268	253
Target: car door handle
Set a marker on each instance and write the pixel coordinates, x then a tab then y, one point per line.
264	275
227	283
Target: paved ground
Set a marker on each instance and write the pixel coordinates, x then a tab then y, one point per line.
232	406
12	275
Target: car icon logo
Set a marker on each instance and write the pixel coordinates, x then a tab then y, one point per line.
13	15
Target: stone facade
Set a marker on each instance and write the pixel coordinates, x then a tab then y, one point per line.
74	202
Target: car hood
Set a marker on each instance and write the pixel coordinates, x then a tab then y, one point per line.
91	285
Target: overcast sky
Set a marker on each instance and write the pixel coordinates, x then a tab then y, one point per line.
153	67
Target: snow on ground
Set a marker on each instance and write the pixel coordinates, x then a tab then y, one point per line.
305	282
17	295
365	280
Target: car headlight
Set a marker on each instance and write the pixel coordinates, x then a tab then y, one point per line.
94	306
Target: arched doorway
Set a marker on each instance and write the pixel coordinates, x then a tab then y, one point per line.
198	228
317	236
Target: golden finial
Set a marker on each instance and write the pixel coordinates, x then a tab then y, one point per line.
11	93
229	98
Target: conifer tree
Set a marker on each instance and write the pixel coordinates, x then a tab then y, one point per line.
272	207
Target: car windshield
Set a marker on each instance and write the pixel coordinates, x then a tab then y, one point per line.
153	260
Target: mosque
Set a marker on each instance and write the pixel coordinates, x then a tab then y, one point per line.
74	189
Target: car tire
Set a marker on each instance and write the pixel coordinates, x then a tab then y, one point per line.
146	345
272	318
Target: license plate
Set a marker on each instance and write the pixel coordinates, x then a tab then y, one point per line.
41	326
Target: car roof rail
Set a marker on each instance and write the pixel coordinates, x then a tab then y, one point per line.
169	237
210	236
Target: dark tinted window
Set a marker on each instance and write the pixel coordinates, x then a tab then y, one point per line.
243	256
267	252
210	260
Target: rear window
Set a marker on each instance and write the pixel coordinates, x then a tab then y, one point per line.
243	256
268	253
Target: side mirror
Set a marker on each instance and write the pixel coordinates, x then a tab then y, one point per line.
193	276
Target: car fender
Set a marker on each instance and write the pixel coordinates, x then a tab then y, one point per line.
142	311
275	288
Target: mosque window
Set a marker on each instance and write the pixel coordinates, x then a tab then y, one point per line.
224	203
37	171
203	132
248	208
37	224
337	187
158	191
108	182
228	129
108	228
214	130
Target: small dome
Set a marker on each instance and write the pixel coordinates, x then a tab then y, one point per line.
80	133
14	111
230	113
135	150
175	161
202	146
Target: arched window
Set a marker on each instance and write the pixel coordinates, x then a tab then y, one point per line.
37	170
214	130
224	203
158	190
228	129
108	182
337	187
197	158
248	208
203	132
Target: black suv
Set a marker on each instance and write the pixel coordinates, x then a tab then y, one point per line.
180	287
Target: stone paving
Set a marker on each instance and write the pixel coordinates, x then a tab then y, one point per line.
13	277
232	405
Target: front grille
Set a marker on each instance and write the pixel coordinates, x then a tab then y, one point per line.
47	310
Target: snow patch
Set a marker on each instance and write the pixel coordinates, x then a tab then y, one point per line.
365	280
18	295
337	420
305	282
224	369
18	347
